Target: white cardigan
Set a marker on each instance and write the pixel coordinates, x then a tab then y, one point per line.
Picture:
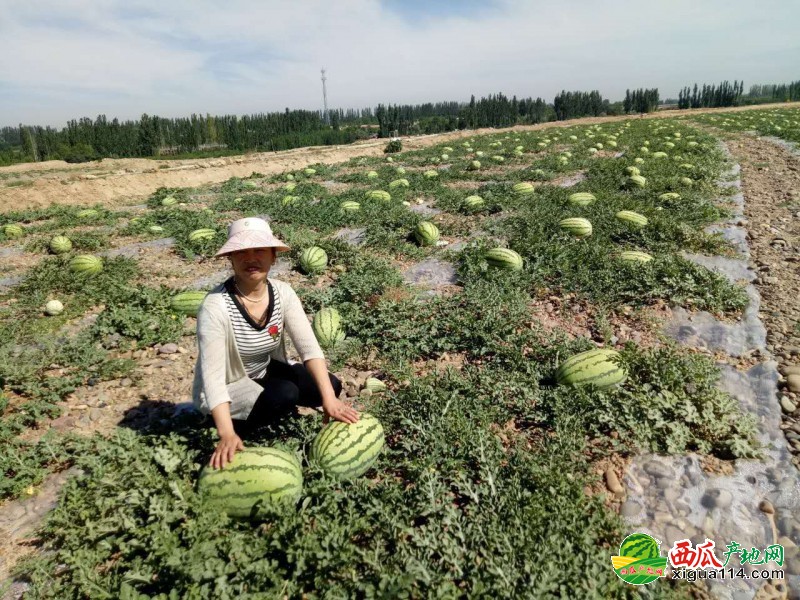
219	374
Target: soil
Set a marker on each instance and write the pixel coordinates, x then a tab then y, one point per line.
117	182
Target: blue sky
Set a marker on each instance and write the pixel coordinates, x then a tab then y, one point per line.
122	58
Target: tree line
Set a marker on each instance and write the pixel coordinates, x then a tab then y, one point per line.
640	101
711	96
775	92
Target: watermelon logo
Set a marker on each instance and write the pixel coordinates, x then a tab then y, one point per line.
639	561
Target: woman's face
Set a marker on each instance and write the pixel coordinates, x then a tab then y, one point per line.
252	265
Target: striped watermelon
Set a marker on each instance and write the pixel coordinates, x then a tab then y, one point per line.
350	206
13	231
504	258
635	256
399	183
290	187
686	166
86	264
426	233
577	226
313	259
346	450
631	171
254	478
400	171
327	326
155	229
310	171
60	244
474	165
686	181
378	195
88	213
631	217
202	234
188	303
659	155
290	200
374	385
593	366
582	198
249	185
523	188
372	175
498	159
666	197
289	177
473	202
639	545
430	174
636	181
169	201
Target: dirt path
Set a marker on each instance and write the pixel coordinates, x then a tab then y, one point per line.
126	181
771	185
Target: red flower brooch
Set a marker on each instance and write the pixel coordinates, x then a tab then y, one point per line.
274	331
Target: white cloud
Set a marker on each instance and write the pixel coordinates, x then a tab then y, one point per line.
78	57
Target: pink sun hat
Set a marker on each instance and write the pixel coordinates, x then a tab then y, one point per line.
250	232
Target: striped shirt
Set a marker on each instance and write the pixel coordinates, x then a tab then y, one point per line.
254	341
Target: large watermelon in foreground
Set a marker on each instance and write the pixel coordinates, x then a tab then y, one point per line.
85	265
504	258
593	366
256	477
346	450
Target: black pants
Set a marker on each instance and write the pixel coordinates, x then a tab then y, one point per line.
285	387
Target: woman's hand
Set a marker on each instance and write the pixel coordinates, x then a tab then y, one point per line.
338	410
226	449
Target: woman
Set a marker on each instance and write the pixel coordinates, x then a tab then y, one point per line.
243	377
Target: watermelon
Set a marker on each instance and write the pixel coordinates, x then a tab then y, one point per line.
53	308
374	385
638	160
669	144
347	450
686	166
445	156
86	265
400	171
582	198
372	175
249	185
256	477
169	201
350	206
639	545
327	326
577	226
13	231
631	217
474	165
202	234
310	171
88	213
289	177
593	366
635	181
399	183
290	200
631	171
659	155
60	244
378	195
685	181
635	256
668	196
523	188
426	233
188	303
504	258
473	202
592	150
498	158
155	229
430	174
479	154
289	187
313	259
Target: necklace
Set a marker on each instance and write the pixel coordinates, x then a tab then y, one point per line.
264	295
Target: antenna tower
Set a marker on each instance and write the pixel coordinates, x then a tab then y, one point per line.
324	98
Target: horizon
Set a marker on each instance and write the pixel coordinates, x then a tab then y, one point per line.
76	59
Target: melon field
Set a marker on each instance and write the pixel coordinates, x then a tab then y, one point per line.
467	278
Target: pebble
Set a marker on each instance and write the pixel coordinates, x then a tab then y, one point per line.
717	498
95	414
788	406
765	506
612	482
793	382
126	382
791	370
657	469
168	349
630	509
